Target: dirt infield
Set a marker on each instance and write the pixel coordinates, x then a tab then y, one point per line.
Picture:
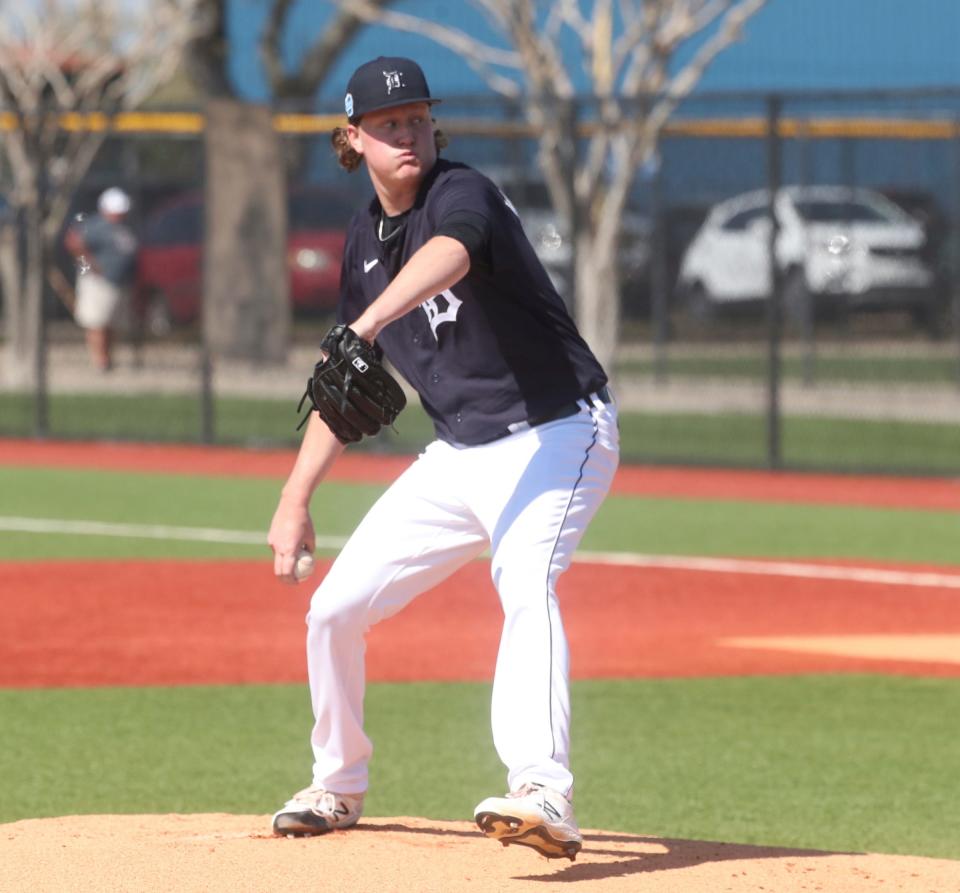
176	623
133	623
213	853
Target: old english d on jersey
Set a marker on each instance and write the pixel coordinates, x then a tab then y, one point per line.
497	348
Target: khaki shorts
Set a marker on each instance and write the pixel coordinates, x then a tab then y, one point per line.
100	303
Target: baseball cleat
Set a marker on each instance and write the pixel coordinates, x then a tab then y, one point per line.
533	816
315	810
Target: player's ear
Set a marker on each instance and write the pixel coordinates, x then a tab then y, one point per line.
353	137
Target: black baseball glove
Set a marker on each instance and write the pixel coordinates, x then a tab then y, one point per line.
350	389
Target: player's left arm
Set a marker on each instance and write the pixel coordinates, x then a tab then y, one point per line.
440	263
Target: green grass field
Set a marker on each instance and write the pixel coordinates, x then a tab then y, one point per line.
729	439
845	762
852	764
823	367
629	524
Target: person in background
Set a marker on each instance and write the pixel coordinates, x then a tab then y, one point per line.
106	251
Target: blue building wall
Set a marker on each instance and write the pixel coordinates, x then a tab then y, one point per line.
789	44
847	44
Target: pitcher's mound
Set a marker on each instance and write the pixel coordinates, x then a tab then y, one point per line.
212	853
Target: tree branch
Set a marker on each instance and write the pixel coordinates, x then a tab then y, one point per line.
303	83
65	56
481	57
682	84
205	53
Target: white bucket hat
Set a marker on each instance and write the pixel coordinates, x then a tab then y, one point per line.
114	201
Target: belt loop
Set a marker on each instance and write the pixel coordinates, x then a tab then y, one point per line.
597	397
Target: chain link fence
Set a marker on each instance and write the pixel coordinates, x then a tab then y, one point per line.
842	355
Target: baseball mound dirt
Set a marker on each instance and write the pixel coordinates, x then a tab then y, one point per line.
211	853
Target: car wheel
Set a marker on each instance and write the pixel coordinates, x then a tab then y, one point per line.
798	301
931	319
699	305
157	319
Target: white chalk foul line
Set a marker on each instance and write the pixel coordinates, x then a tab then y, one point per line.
149	531
771	568
777	569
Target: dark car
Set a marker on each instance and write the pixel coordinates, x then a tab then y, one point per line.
531	200
170	263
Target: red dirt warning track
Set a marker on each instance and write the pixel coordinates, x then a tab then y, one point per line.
156	622
169	623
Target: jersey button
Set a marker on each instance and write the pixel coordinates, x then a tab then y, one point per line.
435	377
459	418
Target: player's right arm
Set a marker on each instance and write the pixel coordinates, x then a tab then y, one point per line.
292	526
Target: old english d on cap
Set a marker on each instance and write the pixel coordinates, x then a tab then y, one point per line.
384	82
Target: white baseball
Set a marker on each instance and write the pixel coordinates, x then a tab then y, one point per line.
304	565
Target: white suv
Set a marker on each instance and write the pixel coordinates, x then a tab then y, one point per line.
841	250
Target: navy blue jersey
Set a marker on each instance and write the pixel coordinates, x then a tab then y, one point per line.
497	348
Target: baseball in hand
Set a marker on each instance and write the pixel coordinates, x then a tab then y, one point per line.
304	566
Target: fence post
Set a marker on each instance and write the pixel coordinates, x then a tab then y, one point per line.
775	303
659	277
954	253
568	115
41	402
33	262
808	341
207	424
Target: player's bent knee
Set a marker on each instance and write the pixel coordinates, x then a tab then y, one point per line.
518	578
328	612
524	593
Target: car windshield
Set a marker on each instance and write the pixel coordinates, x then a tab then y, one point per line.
823	211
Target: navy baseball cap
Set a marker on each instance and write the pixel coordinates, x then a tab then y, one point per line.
382	83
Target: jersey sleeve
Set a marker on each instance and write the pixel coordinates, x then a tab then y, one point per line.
468	208
470	229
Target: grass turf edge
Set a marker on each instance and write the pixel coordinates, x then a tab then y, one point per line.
833	762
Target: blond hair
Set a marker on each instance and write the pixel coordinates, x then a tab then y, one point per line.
349	159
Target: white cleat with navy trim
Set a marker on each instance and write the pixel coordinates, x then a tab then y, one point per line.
533	816
315	810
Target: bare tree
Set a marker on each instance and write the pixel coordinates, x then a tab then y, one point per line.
303	82
247	311
628	51
208	50
65	67
297	85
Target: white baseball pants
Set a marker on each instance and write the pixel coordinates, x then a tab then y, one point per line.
529	498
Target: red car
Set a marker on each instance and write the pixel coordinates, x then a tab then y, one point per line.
170	262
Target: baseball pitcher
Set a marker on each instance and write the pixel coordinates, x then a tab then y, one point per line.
439	277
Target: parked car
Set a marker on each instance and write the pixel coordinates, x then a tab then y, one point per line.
169	274
925	207
841	250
